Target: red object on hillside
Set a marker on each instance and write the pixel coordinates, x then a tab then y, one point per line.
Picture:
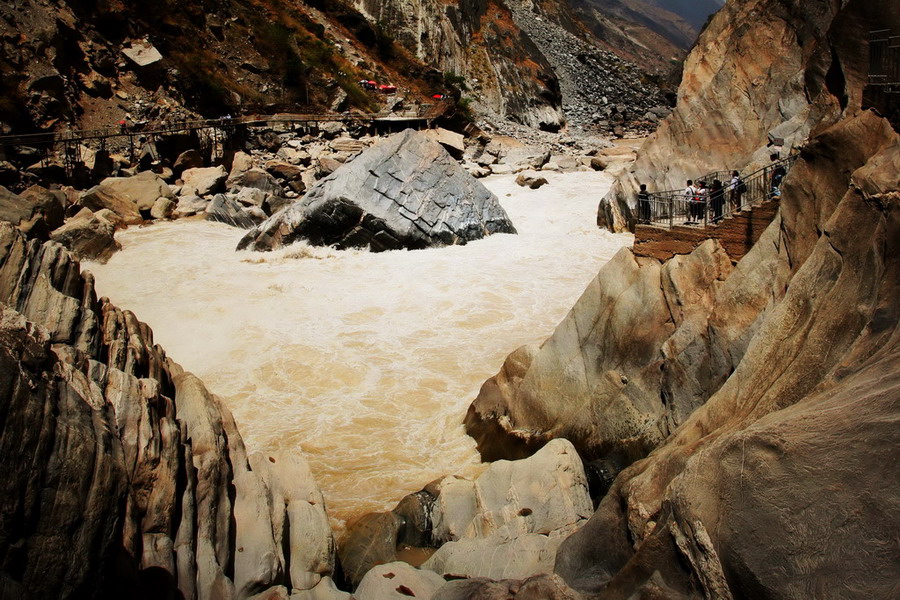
387	89
368	84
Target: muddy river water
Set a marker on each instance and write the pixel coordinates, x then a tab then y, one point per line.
366	362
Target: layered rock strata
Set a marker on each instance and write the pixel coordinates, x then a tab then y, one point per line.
406	192
782	484
762	78
124	474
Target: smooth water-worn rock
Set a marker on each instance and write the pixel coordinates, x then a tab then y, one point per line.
142	189
101	197
125	476
507	523
203	181
405	192
398	580
523	511
782	483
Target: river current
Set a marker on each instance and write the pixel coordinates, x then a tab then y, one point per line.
367	362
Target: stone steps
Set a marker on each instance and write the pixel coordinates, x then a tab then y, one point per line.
737	234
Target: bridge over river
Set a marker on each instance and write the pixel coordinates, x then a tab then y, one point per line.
213	134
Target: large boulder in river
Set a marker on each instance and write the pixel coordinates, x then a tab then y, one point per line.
406	192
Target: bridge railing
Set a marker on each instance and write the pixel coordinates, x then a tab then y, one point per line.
673	207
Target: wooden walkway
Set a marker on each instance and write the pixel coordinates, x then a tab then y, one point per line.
737	233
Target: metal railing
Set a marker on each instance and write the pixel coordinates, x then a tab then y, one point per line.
675	207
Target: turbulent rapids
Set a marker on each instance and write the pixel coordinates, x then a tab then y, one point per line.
365	361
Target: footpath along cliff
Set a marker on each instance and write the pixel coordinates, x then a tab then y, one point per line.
761	72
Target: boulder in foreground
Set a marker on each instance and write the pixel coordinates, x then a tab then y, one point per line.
406	192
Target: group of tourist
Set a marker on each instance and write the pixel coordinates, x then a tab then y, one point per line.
698	196
701	198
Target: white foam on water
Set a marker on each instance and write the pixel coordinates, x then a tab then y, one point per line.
366	361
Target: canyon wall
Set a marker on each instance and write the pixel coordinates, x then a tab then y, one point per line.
782	484
477	40
125	476
761	70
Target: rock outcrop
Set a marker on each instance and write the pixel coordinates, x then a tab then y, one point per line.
506	524
762	72
479	42
405	192
782	484
124	476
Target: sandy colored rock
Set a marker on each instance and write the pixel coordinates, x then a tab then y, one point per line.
203	181
142	190
523	511
398	580
163	209
101	197
802	428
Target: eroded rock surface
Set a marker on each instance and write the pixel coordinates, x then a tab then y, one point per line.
782	483
405	192
506	524
123	473
763	70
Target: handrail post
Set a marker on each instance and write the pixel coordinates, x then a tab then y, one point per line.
671	211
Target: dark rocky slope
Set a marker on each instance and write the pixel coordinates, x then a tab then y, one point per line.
124	476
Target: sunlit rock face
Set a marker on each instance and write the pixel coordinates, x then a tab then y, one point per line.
762	72
476	39
406	192
740	500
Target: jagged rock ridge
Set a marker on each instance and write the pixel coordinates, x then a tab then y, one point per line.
123	473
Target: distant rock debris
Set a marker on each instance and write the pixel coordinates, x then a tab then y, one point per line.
406	192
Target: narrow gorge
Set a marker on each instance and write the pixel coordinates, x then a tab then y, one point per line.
314	354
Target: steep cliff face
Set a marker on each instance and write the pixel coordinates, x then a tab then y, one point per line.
641	351
478	40
761	70
781	484
124	476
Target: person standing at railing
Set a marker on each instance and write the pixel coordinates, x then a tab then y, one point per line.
701	201
691	198
717	199
778	174
644	204
736	189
